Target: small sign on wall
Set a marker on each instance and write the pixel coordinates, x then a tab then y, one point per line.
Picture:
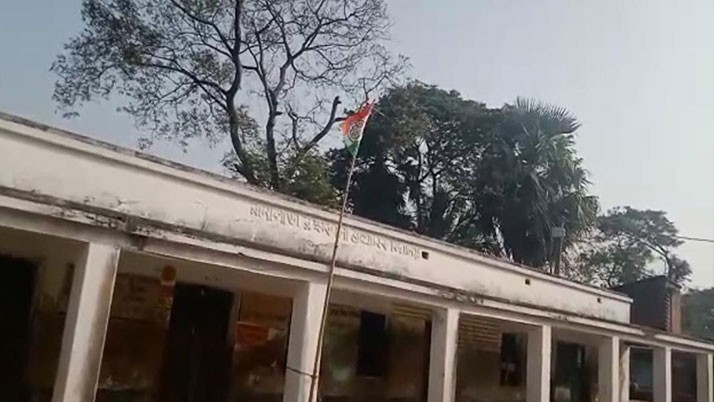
249	335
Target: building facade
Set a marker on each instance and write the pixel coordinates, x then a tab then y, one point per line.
128	278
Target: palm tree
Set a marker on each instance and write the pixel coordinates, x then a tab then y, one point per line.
530	180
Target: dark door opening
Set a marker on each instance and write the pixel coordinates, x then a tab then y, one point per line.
197	356
16	288
571	372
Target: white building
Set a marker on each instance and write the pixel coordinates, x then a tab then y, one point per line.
136	279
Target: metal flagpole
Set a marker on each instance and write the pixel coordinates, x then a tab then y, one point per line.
328	291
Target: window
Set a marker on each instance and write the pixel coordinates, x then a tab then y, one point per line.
511	360
372	340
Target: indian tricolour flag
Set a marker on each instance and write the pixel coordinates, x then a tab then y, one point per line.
353	127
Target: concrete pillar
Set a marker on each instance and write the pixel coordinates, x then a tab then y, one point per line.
302	343
608	364
86	324
705	378
442	355
624	372
538	364
662	374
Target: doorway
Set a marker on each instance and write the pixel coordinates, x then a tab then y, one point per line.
197	356
16	289
571	376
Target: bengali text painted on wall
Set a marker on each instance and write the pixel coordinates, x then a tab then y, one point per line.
327	229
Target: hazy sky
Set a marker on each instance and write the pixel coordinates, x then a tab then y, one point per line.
639	74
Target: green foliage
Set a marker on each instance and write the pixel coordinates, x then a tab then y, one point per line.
626	244
530	180
311	182
376	192
497	180
698	313
407	169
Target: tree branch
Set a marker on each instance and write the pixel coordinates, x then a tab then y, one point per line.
236	50
326	128
203	21
294	121
302	152
201	83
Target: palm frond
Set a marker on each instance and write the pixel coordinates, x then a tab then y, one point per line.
553	119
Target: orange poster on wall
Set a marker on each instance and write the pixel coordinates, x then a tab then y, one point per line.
251	335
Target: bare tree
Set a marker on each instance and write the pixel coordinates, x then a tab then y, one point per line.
302	49
187	68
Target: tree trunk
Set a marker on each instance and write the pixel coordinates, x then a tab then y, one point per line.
272	154
244	167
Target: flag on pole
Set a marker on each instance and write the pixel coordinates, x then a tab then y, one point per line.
353	127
